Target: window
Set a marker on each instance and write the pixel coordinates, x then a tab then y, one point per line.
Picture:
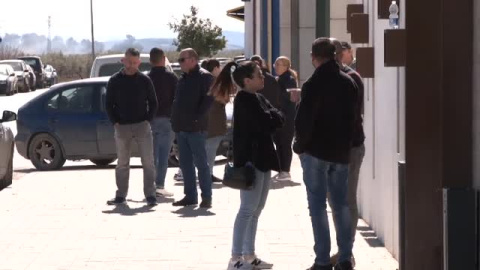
78	99
103	98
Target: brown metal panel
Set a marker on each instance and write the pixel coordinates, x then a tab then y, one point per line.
423	138
383	6
360	29
438	120
353	8
395	54
457	81
366	62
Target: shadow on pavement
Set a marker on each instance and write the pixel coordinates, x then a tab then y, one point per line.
76	168
125	210
191	212
370	236
279	184
215	185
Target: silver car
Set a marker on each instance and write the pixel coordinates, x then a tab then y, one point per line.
6	150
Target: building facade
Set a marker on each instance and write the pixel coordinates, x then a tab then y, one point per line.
420	177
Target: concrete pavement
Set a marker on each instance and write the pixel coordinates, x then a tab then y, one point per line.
59	220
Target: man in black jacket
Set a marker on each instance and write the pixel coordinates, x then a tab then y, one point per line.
165	83
131	103
358	148
324	128
271	90
190	122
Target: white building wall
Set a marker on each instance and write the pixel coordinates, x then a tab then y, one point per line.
285	28
249	29
307	31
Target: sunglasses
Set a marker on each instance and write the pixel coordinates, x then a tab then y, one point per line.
182	59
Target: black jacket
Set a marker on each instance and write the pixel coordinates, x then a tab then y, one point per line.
130	98
271	89
359	134
192	102
165	83
324	124
254	122
285	81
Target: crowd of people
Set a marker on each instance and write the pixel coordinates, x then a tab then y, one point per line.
272	118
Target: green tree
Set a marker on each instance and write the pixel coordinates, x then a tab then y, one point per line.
199	34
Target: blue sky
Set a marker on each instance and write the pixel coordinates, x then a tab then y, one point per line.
113	19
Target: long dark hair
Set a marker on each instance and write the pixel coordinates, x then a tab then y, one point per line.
210	64
224	87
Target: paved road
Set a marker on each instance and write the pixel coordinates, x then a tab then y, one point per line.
59	220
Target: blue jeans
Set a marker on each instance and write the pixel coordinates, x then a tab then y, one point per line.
212	146
251	206
321	177
192	150
163	137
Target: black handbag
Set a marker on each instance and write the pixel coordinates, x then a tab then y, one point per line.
239	177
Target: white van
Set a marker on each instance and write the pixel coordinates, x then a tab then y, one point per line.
107	65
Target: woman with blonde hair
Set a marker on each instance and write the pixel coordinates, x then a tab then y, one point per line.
287	78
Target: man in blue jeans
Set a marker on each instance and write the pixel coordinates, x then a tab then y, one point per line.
190	122
324	128
165	83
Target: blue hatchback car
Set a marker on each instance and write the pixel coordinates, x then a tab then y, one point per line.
69	121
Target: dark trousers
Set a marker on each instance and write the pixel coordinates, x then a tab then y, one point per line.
283	139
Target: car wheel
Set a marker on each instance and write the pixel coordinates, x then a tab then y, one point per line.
45	153
33	87
102	162
7	179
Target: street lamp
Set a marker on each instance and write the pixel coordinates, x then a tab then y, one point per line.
91	23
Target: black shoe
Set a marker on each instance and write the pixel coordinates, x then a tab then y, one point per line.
151	201
206	203
345	265
216	179
117	200
320	267
184	202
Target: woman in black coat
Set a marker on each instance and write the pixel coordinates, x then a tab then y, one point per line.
254	122
287	78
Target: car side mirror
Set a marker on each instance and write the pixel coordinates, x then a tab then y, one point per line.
26	70
11	74
9	116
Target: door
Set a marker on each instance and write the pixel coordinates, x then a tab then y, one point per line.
73	120
105	131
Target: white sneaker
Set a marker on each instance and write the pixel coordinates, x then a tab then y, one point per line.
163	192
178	176
282	176
259	264
239	264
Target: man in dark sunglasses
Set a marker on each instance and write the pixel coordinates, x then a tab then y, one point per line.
190	121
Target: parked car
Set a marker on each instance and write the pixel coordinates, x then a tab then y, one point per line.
107	65
51	73
6	150
36	63
33	79
69	121
21	70
8	80
176	69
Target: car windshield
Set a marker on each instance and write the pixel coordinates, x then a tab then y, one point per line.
3	71
15	65
30	62
112	68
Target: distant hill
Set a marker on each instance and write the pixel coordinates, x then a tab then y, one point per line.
235	41
37	44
